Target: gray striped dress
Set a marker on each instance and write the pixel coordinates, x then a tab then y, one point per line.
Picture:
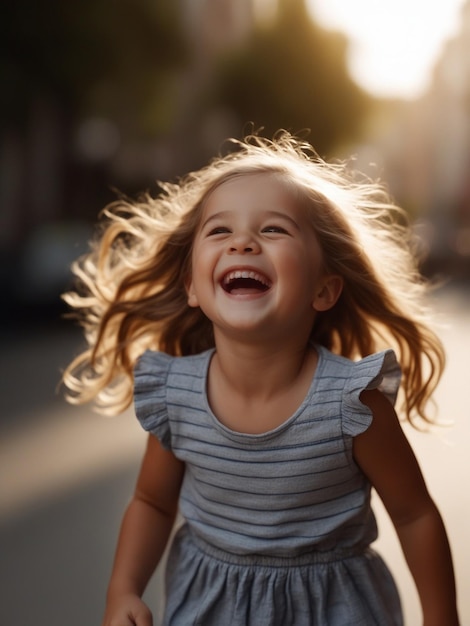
278	525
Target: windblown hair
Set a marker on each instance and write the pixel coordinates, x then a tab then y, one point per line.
131	288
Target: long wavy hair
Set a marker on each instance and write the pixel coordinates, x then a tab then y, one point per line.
130	292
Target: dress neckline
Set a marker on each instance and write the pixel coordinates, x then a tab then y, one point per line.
254	438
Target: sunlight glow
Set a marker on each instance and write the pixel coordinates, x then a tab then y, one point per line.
394	43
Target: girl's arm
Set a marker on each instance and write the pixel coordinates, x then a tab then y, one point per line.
145	529
386	458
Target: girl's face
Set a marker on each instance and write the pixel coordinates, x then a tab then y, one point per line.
256	262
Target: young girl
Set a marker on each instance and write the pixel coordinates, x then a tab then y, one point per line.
255	309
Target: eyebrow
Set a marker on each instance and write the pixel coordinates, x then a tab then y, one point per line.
271	214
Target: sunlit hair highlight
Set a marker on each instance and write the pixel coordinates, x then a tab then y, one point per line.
131	286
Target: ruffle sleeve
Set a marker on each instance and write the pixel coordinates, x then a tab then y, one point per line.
150	380
377	371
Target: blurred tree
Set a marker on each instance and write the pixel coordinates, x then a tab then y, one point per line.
292	74
96	57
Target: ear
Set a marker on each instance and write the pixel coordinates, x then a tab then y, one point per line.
192	297
329	291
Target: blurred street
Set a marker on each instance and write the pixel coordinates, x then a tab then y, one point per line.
66	475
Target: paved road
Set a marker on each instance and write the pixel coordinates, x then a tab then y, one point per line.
65	476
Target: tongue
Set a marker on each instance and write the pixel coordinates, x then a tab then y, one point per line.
241	291
246	286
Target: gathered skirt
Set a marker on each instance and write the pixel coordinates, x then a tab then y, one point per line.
207	586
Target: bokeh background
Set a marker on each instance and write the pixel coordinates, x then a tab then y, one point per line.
102	98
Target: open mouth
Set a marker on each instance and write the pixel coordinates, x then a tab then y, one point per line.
245	282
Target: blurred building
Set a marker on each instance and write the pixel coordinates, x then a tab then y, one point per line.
423	149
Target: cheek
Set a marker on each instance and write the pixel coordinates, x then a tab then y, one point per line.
304	262
201	271
204	258
195	256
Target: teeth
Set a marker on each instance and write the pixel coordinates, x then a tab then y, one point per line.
245	274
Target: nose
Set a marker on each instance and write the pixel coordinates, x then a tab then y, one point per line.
243	243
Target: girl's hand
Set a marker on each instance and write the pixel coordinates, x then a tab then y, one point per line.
127	610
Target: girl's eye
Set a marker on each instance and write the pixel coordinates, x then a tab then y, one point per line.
218	230
274	229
